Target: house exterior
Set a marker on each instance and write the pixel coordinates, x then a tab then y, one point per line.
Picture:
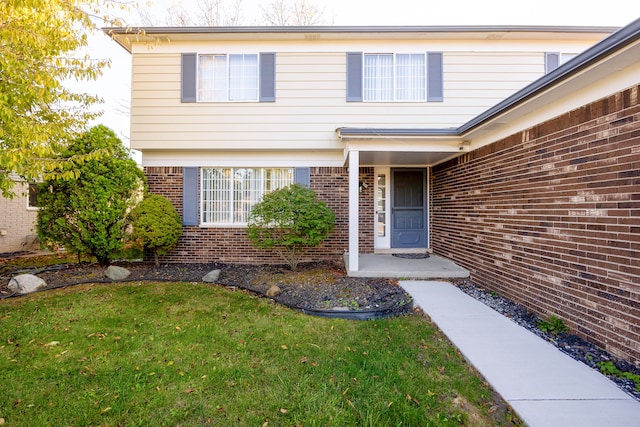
18	219
514	151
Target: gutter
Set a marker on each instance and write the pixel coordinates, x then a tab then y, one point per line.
359	29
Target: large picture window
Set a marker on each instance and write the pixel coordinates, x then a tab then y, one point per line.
228	194
399	77
228	77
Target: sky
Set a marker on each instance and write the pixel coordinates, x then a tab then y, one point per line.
114	86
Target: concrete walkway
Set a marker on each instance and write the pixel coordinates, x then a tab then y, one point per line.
546	387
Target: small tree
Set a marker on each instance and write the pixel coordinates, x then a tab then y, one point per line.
156	224
289	220
87	213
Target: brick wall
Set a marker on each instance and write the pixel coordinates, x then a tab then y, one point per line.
550	218
18	222
231	244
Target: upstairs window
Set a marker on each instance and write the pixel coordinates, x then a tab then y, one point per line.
399	77
228	77
402	77
553	60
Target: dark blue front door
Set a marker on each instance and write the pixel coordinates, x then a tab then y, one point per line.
408	208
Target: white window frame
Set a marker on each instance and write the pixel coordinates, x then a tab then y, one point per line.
365	93
227	77
384	241
231	193
563	57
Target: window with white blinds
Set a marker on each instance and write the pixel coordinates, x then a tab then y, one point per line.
228	77
394	77
228	194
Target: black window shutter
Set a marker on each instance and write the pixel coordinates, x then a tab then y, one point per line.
188	77
551	61
435	78
189	196
354	76
302	177
267	77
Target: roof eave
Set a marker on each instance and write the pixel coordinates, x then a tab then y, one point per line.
614	42
359	29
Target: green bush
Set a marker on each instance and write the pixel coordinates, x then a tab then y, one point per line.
156	225
289	220
87	212
553	326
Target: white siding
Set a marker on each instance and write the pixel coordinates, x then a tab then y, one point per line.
311	99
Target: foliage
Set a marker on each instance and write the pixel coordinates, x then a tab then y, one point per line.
39	50
609	368
192	355
553	326
156	224
88	214
290	219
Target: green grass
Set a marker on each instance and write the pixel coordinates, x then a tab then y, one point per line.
194	354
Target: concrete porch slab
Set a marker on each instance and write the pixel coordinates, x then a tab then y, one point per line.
386	265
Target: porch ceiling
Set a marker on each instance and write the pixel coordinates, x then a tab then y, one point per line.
403	158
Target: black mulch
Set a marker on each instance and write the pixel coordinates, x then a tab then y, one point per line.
314	287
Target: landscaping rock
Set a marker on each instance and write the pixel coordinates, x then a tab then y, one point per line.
211	277
273	291
114	272
26	283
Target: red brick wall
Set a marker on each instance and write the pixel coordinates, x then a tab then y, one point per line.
231	244
550	218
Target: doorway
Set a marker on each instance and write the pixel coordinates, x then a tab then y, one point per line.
408	208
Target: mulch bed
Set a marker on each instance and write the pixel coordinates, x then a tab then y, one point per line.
314	287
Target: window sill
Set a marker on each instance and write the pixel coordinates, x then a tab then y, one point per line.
222	225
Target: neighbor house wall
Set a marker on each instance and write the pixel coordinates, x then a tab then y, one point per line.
550	218
17	222
230	244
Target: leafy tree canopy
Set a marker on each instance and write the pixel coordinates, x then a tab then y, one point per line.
88	214
38	114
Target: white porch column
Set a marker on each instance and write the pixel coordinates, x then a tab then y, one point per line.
354	211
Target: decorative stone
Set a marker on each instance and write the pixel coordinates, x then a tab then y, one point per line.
114	272
273	291
26	283
211	277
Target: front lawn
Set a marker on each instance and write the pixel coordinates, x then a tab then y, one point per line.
194	354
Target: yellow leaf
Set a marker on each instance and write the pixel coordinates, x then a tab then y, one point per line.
284	347
284	411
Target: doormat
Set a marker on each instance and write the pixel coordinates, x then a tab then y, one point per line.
412	256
